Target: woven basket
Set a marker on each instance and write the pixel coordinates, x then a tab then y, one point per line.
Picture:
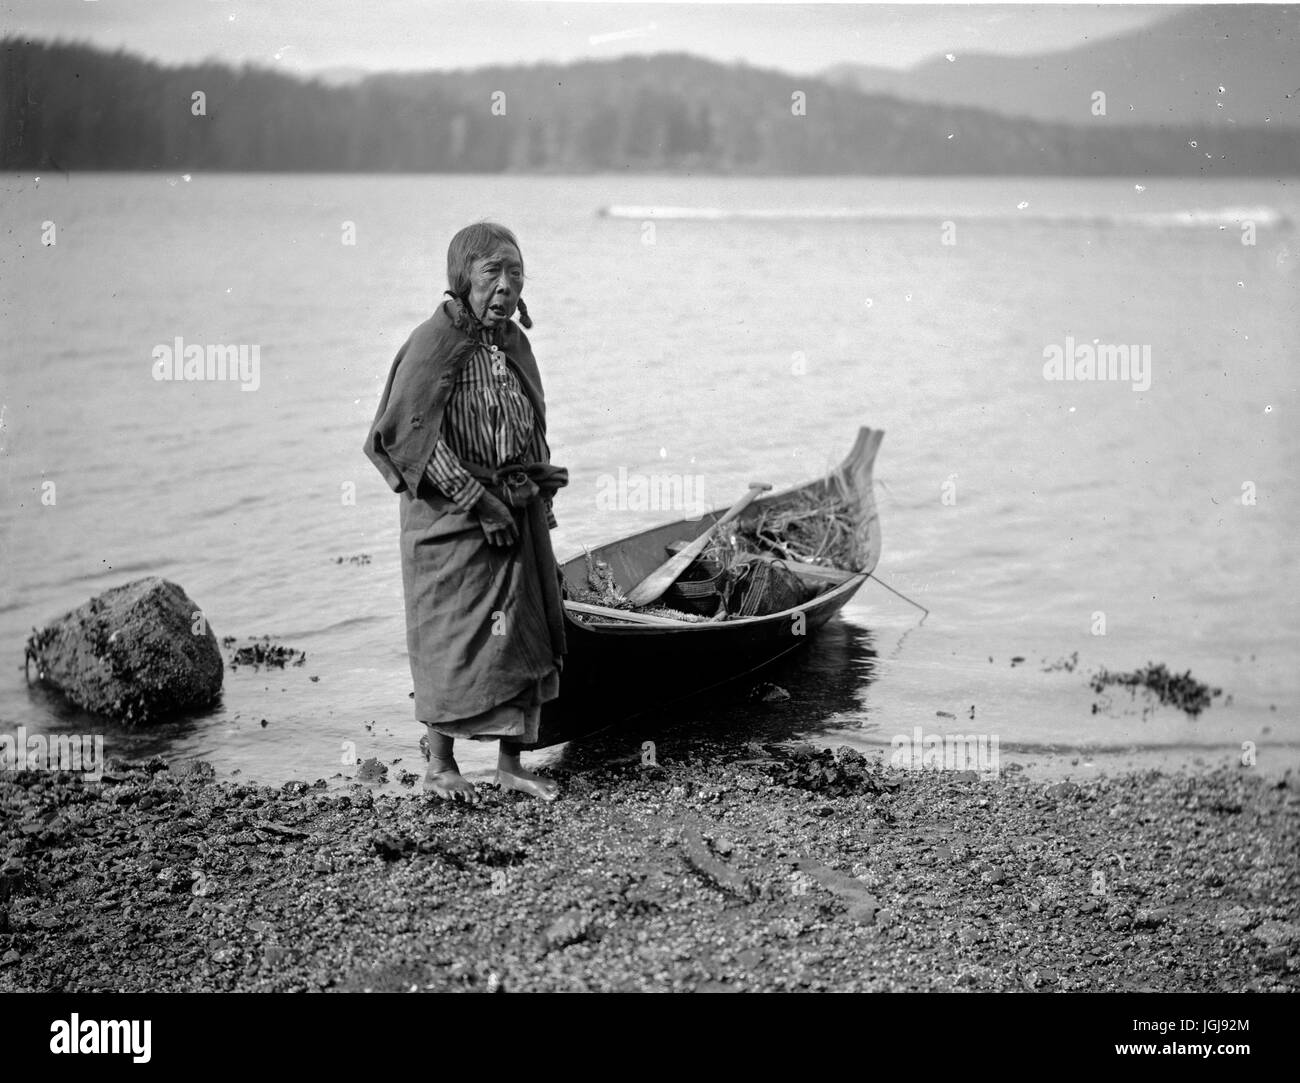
699	588
760	587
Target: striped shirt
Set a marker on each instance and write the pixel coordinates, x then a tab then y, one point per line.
488	420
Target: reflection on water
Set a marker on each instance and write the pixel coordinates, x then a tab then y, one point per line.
825	680
122	741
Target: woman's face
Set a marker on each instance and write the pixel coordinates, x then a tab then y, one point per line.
495	283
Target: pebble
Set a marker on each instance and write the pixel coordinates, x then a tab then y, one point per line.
1235	919
373	770
1150	919
565	930
1278	934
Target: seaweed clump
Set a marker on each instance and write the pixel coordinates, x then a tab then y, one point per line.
823	772
1182	690
265	653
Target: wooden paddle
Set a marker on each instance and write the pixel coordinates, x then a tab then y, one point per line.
663	577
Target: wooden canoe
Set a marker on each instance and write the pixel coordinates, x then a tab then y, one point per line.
621	669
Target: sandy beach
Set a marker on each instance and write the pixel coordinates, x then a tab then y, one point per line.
760	867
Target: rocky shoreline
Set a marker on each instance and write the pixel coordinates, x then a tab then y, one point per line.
763	867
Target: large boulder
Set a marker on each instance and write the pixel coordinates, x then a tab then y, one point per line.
141	652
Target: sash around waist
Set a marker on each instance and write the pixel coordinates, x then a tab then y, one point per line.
517	483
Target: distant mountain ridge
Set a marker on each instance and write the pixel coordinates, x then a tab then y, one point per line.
1168	73
73	107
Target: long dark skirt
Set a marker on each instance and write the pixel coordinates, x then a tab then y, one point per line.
484	625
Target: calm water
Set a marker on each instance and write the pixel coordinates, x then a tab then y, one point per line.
730	350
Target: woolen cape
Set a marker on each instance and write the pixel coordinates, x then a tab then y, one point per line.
483	623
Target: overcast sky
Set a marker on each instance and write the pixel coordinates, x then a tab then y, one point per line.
310	35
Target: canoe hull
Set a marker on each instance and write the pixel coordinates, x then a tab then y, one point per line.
614	673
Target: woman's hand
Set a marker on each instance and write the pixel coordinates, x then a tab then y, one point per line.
496	520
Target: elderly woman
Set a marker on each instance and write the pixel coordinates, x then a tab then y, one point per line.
460	434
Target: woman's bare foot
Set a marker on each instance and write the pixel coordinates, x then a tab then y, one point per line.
444	780
529	783
512	776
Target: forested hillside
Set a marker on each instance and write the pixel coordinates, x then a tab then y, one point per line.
73	107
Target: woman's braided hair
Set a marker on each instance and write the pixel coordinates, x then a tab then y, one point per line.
474	242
